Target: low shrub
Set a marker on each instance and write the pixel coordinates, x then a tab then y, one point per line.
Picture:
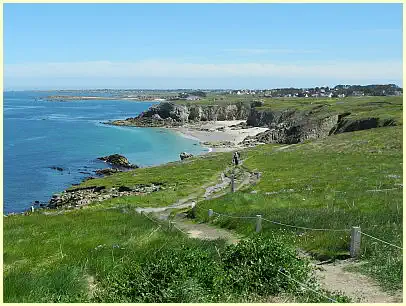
207	274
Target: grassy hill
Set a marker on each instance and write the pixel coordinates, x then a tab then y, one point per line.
98	253
351	179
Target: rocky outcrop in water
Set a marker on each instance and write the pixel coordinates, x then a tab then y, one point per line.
185	155
117	160
60	169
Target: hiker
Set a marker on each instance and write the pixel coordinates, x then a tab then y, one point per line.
236	158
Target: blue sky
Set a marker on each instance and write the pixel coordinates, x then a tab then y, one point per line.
51	46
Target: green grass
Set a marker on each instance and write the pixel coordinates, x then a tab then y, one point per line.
52	258
179	180
324	184
116	255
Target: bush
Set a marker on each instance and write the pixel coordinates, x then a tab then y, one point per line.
253	266
192	273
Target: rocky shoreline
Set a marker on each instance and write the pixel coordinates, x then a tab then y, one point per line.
288	126
77	197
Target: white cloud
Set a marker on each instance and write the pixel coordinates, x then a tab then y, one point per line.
269	51
173	69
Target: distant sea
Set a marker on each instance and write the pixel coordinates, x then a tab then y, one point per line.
39	134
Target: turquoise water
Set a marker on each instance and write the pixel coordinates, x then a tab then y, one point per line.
39	134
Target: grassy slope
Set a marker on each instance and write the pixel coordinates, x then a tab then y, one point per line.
330	179
179	179
71	257
113	255
52	258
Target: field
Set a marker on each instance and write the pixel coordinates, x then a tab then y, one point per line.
117	255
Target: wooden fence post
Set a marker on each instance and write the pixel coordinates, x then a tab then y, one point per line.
355	247
232	183
258	225
32	208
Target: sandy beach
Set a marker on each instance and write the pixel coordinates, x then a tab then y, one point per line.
219	136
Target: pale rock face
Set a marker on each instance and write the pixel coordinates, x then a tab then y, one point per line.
186	113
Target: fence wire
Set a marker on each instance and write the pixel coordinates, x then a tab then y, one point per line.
307	228
382	241
283	224
233	217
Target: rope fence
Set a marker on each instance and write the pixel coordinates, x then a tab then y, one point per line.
307	228
233	217
355	245
383	241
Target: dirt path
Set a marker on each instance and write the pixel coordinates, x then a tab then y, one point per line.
360	288
212	191
204	231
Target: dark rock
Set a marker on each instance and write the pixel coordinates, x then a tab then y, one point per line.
185	155
350	125
107	171
99	188
124	188
118	160
56	168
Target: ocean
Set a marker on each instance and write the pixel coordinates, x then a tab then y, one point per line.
39	134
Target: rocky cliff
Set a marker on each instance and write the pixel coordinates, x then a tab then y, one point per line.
171	114
293	126
285	126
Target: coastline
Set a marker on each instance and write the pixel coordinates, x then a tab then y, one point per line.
218	136
215	136
84	98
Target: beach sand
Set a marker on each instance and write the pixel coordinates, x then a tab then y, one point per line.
223	140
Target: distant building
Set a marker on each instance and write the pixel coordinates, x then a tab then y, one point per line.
193	98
